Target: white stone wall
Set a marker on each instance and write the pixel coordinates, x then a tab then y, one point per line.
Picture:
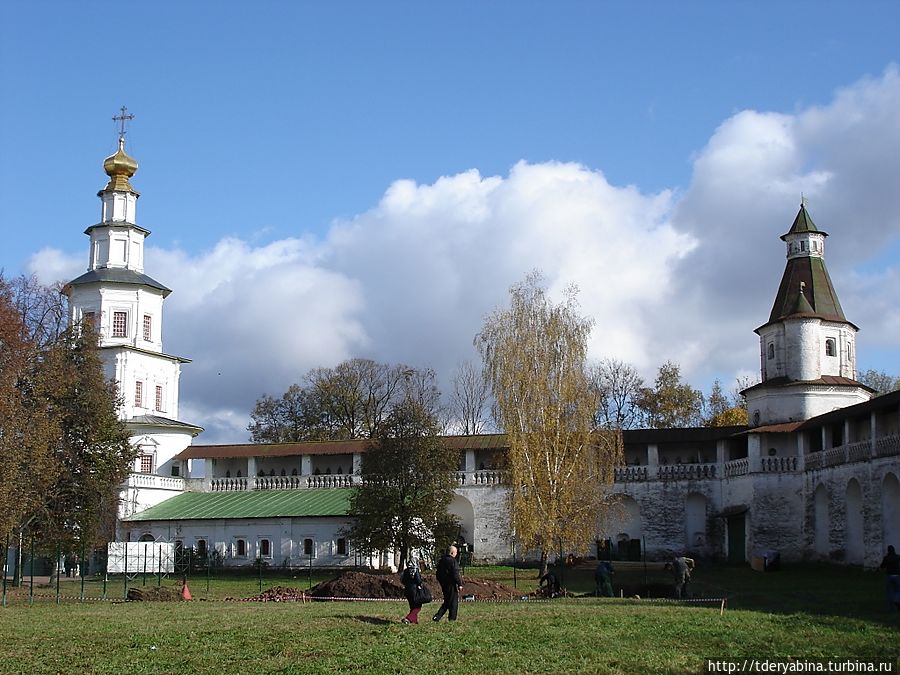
491	539
104	301
840	542
285	535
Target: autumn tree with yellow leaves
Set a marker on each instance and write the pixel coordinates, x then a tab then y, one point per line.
560	468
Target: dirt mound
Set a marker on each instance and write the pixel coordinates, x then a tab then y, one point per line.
278	594
158	594
372	585
360	585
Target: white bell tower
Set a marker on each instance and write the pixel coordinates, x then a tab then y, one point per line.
126	307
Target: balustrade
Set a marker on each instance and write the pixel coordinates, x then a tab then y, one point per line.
149	480
686	471
228	485
628	474
737	467
887	446
778	464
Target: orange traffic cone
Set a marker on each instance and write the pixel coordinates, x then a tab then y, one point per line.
185	591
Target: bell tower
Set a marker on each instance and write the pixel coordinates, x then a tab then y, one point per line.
126	308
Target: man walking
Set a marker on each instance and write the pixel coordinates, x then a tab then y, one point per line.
451	584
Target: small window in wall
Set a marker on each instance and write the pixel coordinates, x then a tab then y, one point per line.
342	547
240	548
265	548
120	324
771	350
802	245
309	548
160	407
201	547
830	347
148	328
138	394
176	470
146	463
849	350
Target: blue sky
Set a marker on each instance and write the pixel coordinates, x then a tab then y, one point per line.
325	180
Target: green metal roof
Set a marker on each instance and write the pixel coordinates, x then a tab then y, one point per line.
819	297
803	223
252	504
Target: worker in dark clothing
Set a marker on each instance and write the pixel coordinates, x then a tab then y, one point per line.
603	579
891	566
549	584
451	584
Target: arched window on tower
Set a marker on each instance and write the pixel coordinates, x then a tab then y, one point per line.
830	347
771	350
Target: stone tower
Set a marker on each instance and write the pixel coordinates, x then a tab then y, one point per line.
807	347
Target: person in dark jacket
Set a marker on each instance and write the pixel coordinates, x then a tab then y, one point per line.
891	566
451	584
411	580
549	584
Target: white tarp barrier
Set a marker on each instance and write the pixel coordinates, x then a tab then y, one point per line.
151	557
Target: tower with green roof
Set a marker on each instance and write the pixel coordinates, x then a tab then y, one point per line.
807	347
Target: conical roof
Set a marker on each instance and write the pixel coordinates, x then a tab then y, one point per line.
803	223
806	288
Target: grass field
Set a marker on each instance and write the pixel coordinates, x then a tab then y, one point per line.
805	611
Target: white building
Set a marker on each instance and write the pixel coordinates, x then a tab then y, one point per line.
815	476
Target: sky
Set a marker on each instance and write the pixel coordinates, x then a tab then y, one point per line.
332	180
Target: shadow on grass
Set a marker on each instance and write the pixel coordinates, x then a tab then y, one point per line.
820	589
373	620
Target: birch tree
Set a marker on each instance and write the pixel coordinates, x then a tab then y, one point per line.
560	472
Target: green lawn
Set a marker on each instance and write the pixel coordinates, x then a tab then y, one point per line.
810	611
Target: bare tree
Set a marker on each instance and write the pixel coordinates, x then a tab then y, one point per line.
44	309
617	386
469	399
880	381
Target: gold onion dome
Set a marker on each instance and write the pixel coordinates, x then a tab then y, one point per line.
120	167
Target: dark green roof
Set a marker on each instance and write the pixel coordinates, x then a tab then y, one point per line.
803	223
819	297
159	421
252	504
118	275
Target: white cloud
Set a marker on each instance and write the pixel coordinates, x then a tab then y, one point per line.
50	265
674	275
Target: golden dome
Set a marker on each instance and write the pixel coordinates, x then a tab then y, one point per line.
120	167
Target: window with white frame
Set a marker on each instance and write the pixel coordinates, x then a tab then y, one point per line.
120	324
146	463
309	548
265	548
160	407
138	394
240	548
148	327
830	347
202	547
343	547
771	352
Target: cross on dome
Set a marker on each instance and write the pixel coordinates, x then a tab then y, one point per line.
122	117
